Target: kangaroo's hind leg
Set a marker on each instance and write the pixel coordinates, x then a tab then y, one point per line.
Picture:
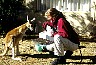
13	51
13	55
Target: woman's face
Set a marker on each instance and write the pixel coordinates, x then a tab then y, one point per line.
49	17
51	13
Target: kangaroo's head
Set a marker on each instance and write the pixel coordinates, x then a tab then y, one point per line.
29	23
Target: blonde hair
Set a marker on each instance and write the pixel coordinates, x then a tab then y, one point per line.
51	12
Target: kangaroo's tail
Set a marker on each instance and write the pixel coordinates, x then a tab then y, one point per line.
5	51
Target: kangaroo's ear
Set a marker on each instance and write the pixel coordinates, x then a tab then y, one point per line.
30	20
33	19
27	19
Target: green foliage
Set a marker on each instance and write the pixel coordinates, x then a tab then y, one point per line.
9	12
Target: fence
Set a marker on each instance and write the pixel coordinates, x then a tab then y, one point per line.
69	5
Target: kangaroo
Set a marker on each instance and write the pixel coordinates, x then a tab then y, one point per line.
13	37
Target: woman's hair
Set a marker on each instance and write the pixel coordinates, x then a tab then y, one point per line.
51	12
55	14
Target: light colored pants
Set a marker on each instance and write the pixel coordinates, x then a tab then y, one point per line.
60	45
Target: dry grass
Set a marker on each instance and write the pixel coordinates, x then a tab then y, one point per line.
31	57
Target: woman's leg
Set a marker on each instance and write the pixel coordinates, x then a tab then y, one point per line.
68	45
60	45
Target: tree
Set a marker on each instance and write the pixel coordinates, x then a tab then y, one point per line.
9	13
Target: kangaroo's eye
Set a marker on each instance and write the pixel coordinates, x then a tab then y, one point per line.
31	22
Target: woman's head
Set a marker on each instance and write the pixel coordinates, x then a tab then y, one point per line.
51	13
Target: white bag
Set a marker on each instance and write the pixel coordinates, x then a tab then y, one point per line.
47	34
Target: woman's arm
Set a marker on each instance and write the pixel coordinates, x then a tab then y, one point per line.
61	28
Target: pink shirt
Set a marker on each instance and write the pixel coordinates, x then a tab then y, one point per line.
59	27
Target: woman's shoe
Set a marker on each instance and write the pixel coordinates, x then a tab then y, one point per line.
60	60
40	47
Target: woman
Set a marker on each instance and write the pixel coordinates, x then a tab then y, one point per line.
65	39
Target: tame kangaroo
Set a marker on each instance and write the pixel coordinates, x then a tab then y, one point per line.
13	37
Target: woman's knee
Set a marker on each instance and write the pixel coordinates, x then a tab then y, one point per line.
56	37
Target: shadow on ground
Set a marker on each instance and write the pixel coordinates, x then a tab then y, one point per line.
93	58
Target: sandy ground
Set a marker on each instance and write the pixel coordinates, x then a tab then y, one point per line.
31	57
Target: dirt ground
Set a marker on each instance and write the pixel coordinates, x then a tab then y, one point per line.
31	57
